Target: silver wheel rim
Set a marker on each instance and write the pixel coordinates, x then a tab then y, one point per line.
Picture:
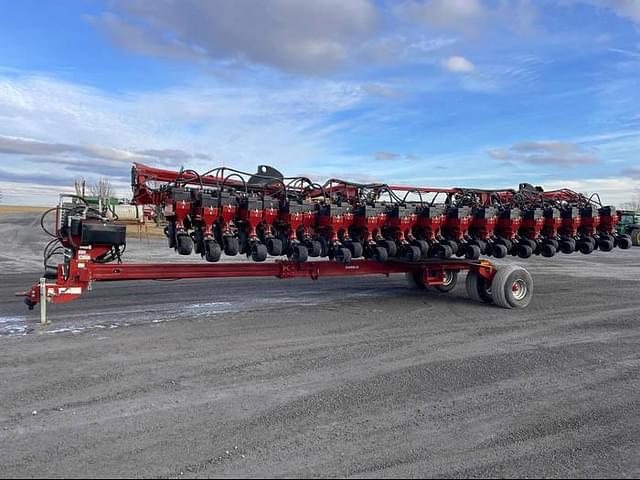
448	278
519	289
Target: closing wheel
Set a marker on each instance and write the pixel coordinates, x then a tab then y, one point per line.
274	246
184	244
342	255
512	287
568	246
324	246
624	242
472	252
391	247
605	244
380	254
212	251
452	244
499	250
170	232
423	246
314	247
355	248
478	288
585	246
524	250
298	253
635	236
449	282
440	250
412	253
548	250
231	245
259	252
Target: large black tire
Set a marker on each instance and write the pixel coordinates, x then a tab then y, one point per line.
415	280
355	248
324	246
512	287
635	237
184	244
259	252
231	246
452	244
342	255
568	246
478	288
212	251
274	247
298	253
450	281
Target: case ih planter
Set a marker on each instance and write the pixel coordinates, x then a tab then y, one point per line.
430	234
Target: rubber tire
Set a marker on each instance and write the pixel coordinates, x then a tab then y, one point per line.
415	280
502	283
506	242
452	244
170	232
380	254
548	250
452	281
585	247
532	243
355	248
441	251
499	250
390	245
342	255
298	253
554	242
259	252
274	247
567	246
184	244
412	253
482	244
324	246
472	252
231	246
314	247
525	250
605	245
212	251
624	242
423	245
635	237
478	288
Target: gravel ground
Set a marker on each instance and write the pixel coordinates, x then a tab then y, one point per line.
353	377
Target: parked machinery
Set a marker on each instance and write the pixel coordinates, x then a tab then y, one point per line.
266	214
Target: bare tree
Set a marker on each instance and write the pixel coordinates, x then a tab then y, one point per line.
102	188
80	186
634	204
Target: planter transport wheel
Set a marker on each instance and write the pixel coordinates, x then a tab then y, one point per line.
512	287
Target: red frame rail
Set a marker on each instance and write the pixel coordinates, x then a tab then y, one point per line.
78	275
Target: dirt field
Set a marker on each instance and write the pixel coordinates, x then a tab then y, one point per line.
356	377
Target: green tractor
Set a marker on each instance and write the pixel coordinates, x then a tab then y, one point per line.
629	224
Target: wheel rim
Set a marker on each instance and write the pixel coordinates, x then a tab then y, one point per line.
448	278
519	289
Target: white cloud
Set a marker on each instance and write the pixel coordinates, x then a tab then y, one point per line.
298	36
458	15
629	9
545	153
458	64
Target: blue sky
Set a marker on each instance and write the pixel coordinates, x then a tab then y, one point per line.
485	93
